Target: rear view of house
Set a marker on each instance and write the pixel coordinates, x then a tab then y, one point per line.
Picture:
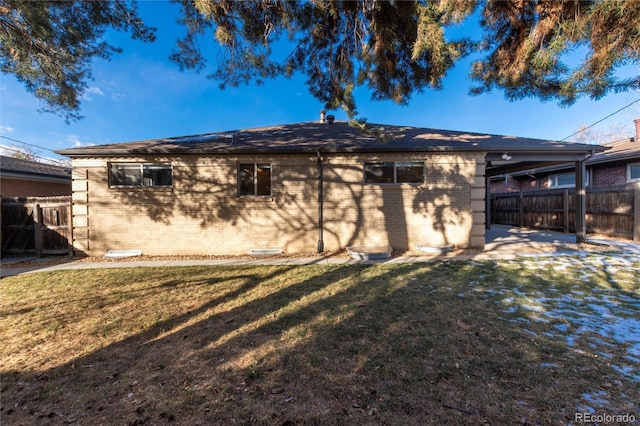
299	188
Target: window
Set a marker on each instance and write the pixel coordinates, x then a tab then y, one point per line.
565	180
394	172
135	175
254	179
633	172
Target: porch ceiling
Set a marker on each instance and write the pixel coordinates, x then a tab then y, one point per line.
516	162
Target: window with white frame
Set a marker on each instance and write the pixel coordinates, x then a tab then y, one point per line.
140	175
633	172
394	172
254	179
566	180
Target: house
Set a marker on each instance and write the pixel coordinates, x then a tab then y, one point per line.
23	178
299	188
618	165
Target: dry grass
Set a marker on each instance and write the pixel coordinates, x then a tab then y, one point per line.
362	344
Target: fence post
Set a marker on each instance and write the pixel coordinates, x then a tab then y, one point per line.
37	213
520	210
565	210
636	215
70	228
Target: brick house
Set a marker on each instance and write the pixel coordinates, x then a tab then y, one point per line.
317	186
23	178
618	165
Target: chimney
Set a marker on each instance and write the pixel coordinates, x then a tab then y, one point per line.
323	115
637	138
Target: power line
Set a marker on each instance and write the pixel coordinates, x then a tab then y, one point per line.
601	120
25	143
42	159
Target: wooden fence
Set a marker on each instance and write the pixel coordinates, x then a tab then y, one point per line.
611	211
37	226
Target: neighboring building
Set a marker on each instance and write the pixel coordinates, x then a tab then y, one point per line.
619	165
300	188
23	178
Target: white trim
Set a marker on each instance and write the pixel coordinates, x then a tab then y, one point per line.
553	179
629	166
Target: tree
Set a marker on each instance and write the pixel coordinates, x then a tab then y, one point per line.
23	153
613	133
49	45
529	42
400	48
396	48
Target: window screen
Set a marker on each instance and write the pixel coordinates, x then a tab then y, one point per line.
410	172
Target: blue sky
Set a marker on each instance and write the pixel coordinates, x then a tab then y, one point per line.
140	94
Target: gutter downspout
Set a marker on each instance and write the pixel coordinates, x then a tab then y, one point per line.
320	248
581	200
506	183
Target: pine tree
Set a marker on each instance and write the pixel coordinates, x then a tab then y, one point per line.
49	45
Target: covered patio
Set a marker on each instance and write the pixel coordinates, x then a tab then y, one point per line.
519	158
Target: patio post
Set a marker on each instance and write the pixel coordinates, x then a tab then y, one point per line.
581	203
487	216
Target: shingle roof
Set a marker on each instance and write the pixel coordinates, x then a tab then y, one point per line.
339	137
18	167
624	150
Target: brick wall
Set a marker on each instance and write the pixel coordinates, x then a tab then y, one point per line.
609	174
11	187
202	214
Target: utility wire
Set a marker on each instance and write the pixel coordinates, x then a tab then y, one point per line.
44	160
30	144
601	120
48	160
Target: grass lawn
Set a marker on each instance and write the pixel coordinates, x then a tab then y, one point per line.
529	341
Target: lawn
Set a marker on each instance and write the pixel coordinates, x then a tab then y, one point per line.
528	341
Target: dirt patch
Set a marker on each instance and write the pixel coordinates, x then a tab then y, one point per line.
513	248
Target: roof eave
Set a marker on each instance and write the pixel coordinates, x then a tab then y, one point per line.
80	152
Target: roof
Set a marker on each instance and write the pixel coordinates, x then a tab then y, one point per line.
628	149
339	137
17	168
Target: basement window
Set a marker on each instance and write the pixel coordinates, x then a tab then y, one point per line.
254	180
138	175
394	172
633	172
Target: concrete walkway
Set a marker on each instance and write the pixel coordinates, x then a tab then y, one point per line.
502	242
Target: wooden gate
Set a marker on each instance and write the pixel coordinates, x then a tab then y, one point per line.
37	226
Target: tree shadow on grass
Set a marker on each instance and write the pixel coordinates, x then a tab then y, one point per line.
363	344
